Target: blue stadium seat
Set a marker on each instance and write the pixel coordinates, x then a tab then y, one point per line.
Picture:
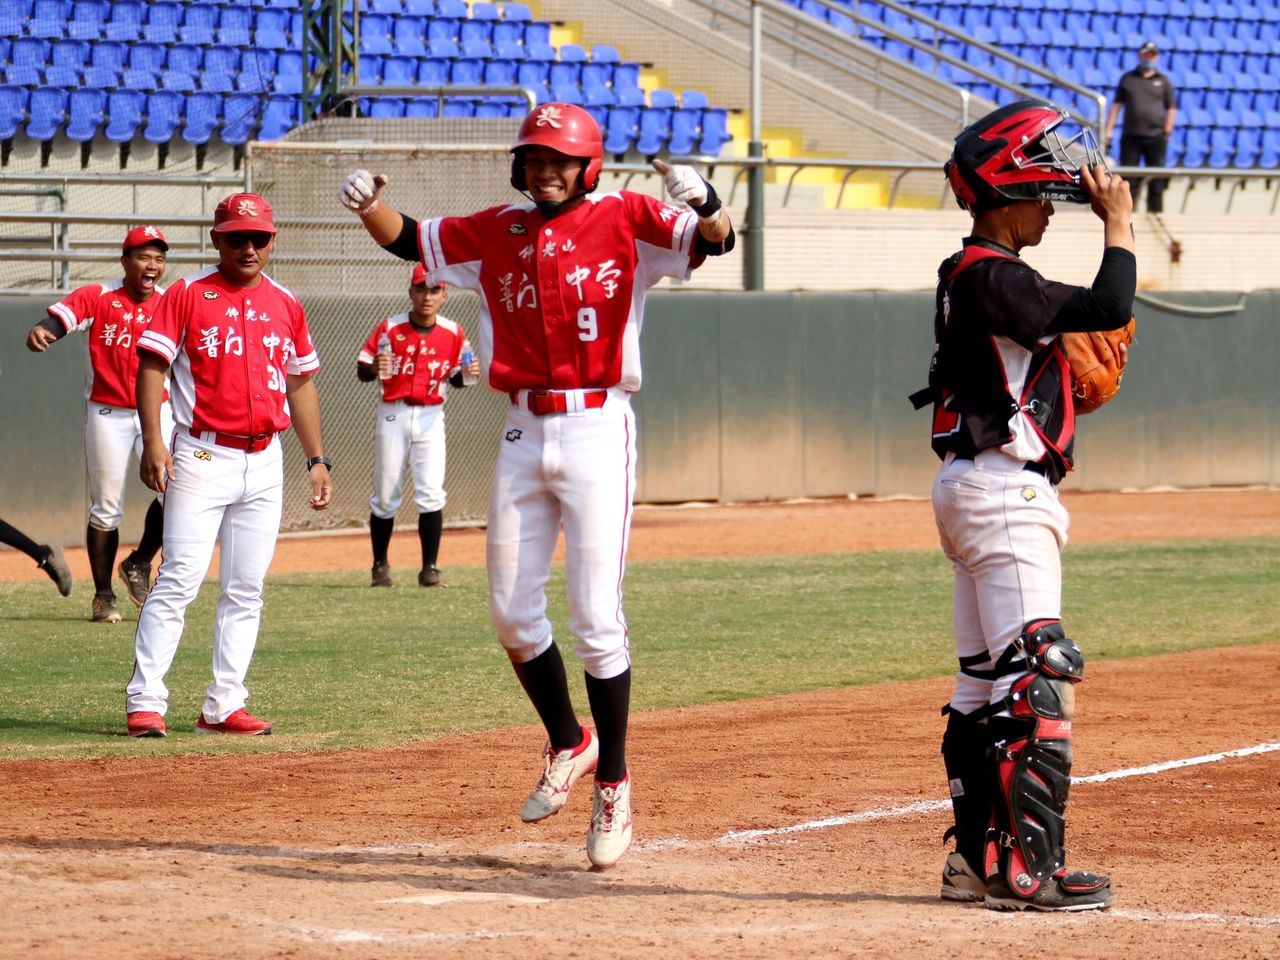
516	11
199	24
483	10
271	29
1248	147
164	115
409	36
399	72
257	71
432	72
604	53
655	126
221	66
28	58
458	107
124	114
382	108
15	14
474	38
685	131
598	97
163	20
13	109
562	73
596	76
453	9
540	51
1222	146
88	19
505	50
715	131
181	68
629	96
621	129
1270	154
442	48
422	107
533	73
572	53
203	113
86	112
240	113
48	111
370	69
289	72
67	59
508	31
375	37
537	31
142	69
106	63
235	26
567	93
467	71
500	73
126	21
49	20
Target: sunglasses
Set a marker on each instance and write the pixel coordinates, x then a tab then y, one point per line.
259	238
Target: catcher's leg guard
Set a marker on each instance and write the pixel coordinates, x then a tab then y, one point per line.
966	746
1032	756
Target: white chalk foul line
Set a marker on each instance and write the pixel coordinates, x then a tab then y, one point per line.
930	806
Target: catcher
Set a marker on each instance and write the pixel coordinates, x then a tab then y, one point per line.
1003	424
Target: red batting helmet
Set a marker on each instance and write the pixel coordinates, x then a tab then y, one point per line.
1017	153
564	128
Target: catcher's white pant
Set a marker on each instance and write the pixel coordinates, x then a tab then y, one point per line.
216	495
1003	529
408	433
579	470
111	434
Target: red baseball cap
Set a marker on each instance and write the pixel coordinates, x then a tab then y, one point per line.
141	236
241	212
420	276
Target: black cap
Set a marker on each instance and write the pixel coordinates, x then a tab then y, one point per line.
1149	47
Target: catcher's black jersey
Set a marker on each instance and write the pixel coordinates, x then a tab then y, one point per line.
999	377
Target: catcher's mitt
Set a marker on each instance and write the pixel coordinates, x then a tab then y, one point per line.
1097	364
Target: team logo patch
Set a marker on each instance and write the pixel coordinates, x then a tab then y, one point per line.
400	338
203	455
117	304
517	230
211	294
391	419
514	435
1023	881
104	412
1028	494
246	208
550	116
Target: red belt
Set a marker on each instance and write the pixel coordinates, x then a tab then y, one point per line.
543	402
236	442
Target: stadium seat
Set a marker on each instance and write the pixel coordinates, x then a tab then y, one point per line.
86	112
288	77
621	129
562	74
483	10
1248	147
375	37
142	69
540	51
597	76
370	69
257	71
235	26
537	32
88	19
432	72
399	72
467	71
106	63
126	21
516	11
419	8
533	74
199	24
1270	155
13	110
453	9
459	107
382	108
604	53
48	112
500	73
240	113
28	57
49	20
164	115
508	31
409	36
1222	146
685	132
203	113
474	38
428	107
181	68
715	131
124	114
271	29
221	65
567	93
655	123
67	59
163	20
442	48
506	50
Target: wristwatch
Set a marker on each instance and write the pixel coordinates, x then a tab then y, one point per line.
312	461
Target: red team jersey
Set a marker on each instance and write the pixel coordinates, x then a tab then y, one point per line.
562	300
114	324
230	349
421	360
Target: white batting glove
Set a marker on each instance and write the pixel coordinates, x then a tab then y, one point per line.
683	183
359	192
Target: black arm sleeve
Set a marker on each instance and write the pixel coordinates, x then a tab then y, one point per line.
365	372
405	246
1107	304
704	246
53	326
456	380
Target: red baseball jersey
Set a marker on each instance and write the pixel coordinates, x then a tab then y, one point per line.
562	300
230	349
114	323
422	359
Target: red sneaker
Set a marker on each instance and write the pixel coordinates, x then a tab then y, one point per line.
145	723
241	722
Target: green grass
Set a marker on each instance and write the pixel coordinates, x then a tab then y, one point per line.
339	665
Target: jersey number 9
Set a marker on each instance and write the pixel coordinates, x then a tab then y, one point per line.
587	326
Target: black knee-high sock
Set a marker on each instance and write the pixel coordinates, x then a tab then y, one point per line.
101	546
547	687
380	534
152	534
20	541
966	748
430	526
610	707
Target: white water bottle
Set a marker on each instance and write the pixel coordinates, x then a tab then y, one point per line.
384	349
467	358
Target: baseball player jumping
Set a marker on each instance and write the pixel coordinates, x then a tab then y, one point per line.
114	315
1003	426
241	359
562	281
414	355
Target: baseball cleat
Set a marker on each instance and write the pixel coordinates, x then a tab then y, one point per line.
137	579
610	831
429	576
561	772
241	722
55	565
104	609
381	575
1064	892
145	723
959	882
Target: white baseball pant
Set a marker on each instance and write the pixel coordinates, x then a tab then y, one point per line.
216	495
111	434
1003	529
416	434
579	470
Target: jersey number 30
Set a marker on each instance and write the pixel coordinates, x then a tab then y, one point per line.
588	329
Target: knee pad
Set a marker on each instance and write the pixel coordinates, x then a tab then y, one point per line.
1032	760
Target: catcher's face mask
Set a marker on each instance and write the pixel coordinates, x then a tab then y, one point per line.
1028	150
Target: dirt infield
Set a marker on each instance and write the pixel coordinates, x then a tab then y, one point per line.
419	852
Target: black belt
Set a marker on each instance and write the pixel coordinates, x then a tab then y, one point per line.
1035	466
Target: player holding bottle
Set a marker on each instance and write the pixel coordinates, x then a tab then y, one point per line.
414	355
562	281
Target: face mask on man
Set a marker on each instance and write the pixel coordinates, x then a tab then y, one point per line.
1145	64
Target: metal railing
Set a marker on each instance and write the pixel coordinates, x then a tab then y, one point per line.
442	91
